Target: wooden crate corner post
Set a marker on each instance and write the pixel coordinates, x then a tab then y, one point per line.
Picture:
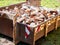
14	29
46	28
56	26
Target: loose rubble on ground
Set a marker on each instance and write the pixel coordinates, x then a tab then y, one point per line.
4	41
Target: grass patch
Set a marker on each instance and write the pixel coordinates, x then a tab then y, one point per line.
47	3
9	2
50	3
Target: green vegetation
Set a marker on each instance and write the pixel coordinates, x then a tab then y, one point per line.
50	3
9	2
47	3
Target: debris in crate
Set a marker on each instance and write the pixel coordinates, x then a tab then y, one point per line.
30	15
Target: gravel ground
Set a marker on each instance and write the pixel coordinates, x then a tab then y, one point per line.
4	41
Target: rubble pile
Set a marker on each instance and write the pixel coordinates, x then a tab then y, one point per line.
30	15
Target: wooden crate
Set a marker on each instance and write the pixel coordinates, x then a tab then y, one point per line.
16	30
7	25
34	35
6	28
50	25
58	21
